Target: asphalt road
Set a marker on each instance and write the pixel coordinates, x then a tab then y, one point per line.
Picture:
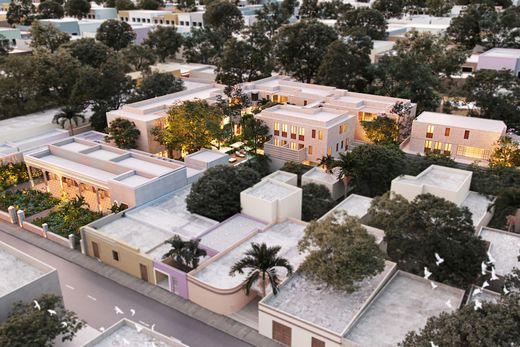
94	297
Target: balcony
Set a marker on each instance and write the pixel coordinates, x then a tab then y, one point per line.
284	152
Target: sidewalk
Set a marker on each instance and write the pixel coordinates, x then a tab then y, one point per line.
222	323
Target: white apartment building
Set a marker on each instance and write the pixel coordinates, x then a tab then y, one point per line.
465	139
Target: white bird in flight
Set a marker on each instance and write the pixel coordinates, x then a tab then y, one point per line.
433	344
439	259
478	305
153	327
427	273
494	276
490	257
483	268
433	285
126	342
37	305
132	311
505	290
485	284
138	327
477	291
64	324
51	312
448	303
102	329
118	310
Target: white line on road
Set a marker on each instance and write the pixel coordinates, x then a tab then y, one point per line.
91	298
143	323
69	286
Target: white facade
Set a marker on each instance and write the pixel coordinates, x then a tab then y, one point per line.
330	180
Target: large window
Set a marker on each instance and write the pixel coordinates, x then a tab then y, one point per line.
427	146
447	149
438	147
320	135
447	132
294	146
301	134
317	343
313	133
276	128
466	134
366	116
294	130
282	333
284	130
429	131
472	152
310	149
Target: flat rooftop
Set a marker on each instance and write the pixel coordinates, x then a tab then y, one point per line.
286	235
18	269
271	190
207	156
439	176
503	53
282	176
13	129
320	114
404	304
231	231
504	248
320	175
450	120
478	205
354	205
322	305
148	226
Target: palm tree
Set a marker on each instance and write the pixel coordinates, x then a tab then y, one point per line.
346	165
327	163
186	254
262	262
68	114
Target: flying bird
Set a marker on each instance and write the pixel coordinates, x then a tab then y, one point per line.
478	305
118	310
51	312
477	291
64	324
138	327
439	259
494	276
132	311
490	257
485	284
505	290
483	268
433	344
153	327
448	303
102	329
433	285
427	273
37	305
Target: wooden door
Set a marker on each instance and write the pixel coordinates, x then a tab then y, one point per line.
317	343
282	333
144	272
95	249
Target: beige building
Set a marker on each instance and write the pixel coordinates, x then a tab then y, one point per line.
465	139
450	184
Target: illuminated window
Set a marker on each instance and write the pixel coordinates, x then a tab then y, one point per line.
472	152
276	128
447	132
294	129
366	116
447	149
342	128
301	134
329	151
282	99
429	131
294	145
284	130
427	146
277	142
310	149
438	147
466	134
320	135
275	98
301	145
313	133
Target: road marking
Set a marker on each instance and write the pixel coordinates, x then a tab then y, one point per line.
69	286
91	298
143	323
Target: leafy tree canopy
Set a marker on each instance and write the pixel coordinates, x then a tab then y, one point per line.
316	201
390	8
382	130
366	20
203	45
224	17
164	41
507	153
20	12
139	57
50	9
115	34
77	8
123	132
89	51
340	252
416	230
47	36
157	84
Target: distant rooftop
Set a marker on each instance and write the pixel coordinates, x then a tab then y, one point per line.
354	205
404	304
320	175
322	305
320	114
18	269
271	190
286	235
439	176
505	247
207	156
282	176
450	120
503	53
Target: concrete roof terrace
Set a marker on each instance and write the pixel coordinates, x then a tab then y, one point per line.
404	304
271	190
504	247
319	116
18	269
322	305
286	234
354	205
439	176
450	120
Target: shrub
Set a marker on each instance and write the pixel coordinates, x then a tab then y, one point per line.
30	201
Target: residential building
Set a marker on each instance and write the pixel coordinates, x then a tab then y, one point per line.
24	278
103	174
127	332
494	59
100	12
504	248
448	183
464	139
330	180
306	313
284	176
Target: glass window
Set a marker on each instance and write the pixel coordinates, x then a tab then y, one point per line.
115	255
429	131
466	134
294	129
284	127
301	131
310	149
313	133
320	135
294	145
447	132
276	126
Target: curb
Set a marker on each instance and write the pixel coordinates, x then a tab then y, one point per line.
219	322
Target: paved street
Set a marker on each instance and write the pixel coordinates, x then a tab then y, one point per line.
94	297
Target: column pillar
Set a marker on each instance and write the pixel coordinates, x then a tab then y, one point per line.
47	188
97	200
30	176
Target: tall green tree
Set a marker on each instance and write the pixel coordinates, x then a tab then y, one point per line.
47	36
254	132
164	41
30	325
5	46
203	45
139	57
187	5
439	8
476	26
299	48
309	9
115	34
497	95
223	17
372	167
316	201
262	263
20	12
89	52
346	65
507	153
415	231
50	9
471	327
124	133
186	126
156	84
186	254
332	9
77	8
340	252
270	17
216	194
151	5
506	204
365	20
68	115
382	130
390	8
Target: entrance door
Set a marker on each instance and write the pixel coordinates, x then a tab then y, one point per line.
144	272
95	249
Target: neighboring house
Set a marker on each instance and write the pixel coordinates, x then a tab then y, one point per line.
24	278
196	72
494	59
464	139
99	12
384	308
104	174
450	184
